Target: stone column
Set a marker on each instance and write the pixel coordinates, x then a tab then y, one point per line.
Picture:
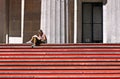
52	20
111	21
66	22
62	31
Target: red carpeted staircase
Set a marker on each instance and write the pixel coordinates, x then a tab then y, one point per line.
60	61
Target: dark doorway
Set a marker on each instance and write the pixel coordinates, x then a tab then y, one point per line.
92	25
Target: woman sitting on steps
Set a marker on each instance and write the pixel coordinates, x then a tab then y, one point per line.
38	39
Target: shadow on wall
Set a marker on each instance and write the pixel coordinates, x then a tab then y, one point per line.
104	2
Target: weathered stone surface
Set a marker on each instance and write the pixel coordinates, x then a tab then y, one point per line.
111	21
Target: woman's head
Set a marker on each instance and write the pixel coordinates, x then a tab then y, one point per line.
40	32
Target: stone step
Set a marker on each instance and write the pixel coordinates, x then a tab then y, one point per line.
59	45
56	63
83	44
67	44
57	54
72	67
63	76
61	60
59	49
59	71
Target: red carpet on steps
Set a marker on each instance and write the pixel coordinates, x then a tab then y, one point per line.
60	61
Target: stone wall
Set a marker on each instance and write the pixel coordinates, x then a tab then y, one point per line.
3	21
111	21
31	18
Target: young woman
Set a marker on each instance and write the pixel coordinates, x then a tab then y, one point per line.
38	39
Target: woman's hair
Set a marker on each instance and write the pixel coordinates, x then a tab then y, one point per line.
40	31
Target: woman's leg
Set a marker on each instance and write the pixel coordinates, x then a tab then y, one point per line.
34	39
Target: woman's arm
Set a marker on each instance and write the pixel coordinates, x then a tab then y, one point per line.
44	38
35	36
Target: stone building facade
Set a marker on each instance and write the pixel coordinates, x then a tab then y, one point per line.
63	21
